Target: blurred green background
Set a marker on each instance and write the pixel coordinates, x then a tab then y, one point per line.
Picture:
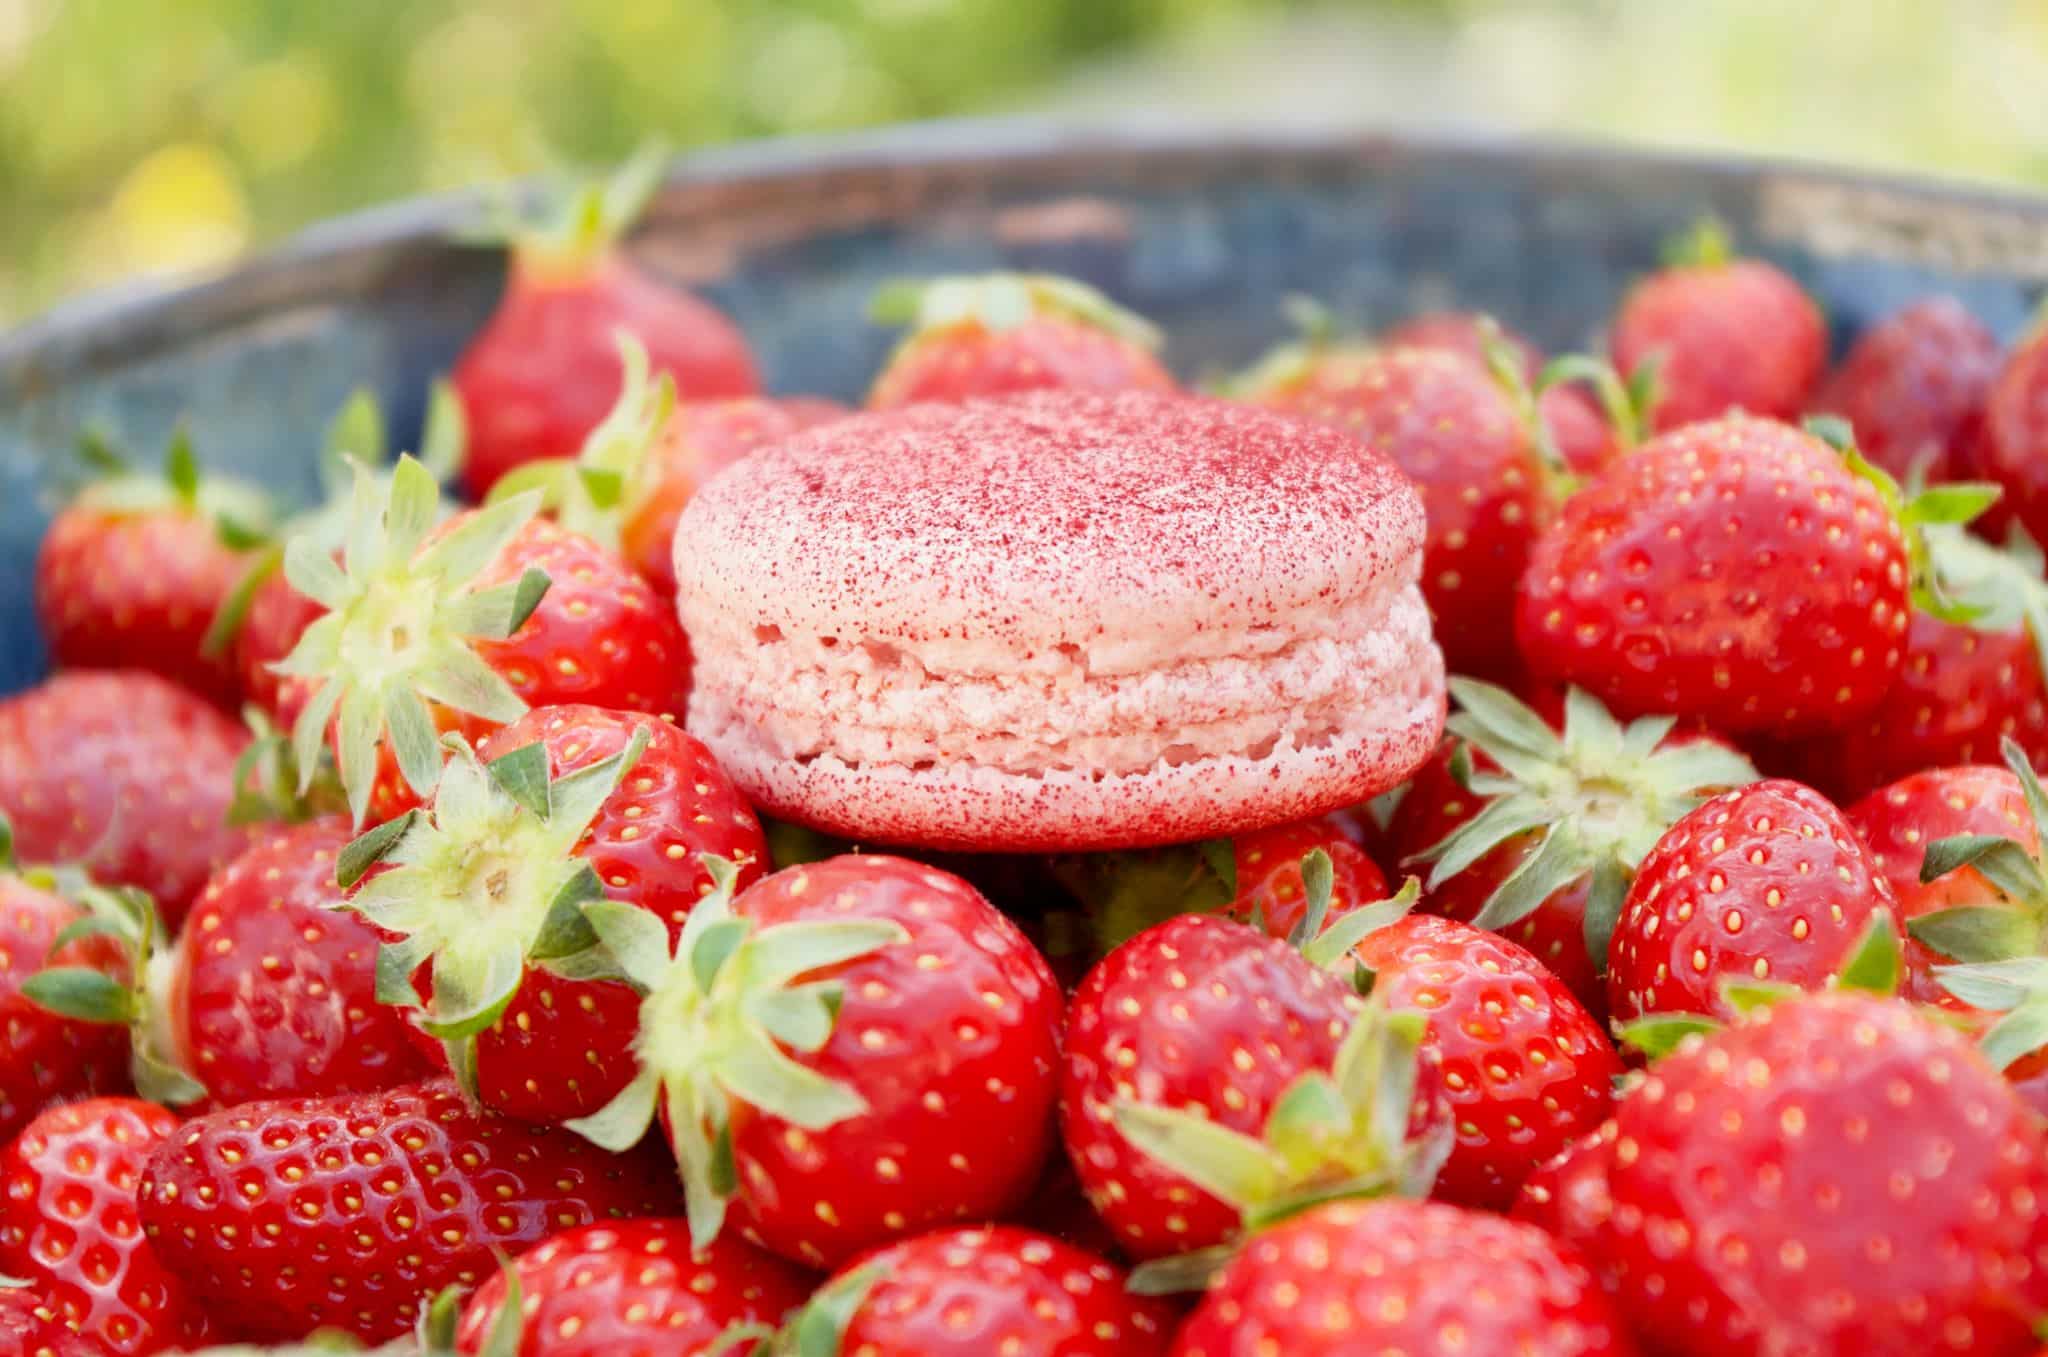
145	137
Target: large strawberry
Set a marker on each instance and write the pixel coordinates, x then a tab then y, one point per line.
1764	883
1000	333
816	1044
35	1328
480	895
124	774
1833	1176
1913	387
345	1212
1382	1277
2012	447
463	627
542	371
68	1223
132	572
1739	572
1217	1079
1724	333
630	1287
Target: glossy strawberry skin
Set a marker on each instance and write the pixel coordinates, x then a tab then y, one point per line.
344	1212
2012	448
545	368
1001	1289
634	1289
45	1058
1767	882
278	615
68	1223
1568	1195
1913	388
273	988
137	590
125	774
1269	881
958	1027
1734	572
1779	1187
1391	1276
1740	335
1446	422
1048	352
34	1329
1525	1066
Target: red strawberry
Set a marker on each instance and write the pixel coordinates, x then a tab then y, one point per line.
463	627
1568	1195
479	895
1215	1078
1835	1176
1913	388
1268	876
1735	572
34	1329
1381	1277
1001	333
124	774
2012	447
636	1287
816	1044
1764	883
540	374
344	1212
992	1289
68	1222
132	572
1725	333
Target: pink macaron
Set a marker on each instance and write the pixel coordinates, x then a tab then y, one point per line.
1059	622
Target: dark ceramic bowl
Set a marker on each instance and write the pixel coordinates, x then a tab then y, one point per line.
1203	231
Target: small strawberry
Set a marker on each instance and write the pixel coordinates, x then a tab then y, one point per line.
1913	389
815	1045
540	374
68	1223
1764	883
1568	1195
466	627
31	1327
630	1288
1832	1176
1725	334
345	1212
124	774
1739	572
1000	333
1267	874
2012	447
479	896
1217	1079
1380	1277
132	571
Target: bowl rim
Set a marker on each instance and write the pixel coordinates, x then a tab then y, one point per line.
106	326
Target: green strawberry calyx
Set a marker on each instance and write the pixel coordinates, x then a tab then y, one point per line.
722	1013
1706	244
1003	301
485	882
1593	799
1343	1132
1327	942
402	616
595	492
241	515
1318	336
818	1329
435	1334
565	231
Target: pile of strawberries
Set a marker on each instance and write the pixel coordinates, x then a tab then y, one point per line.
380	958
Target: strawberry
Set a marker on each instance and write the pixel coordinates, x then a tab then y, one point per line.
30	1327
1567	1195
972	1292
631	1287
1216	1079
2012	447
816	1043
1764	883
68	1223
1267	874
478	897
1382	1277
464	627
343	1212
1000	333
1833	1176
538	377
1736	572
1534	827
124	774
1724	333
133	570
1913	388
